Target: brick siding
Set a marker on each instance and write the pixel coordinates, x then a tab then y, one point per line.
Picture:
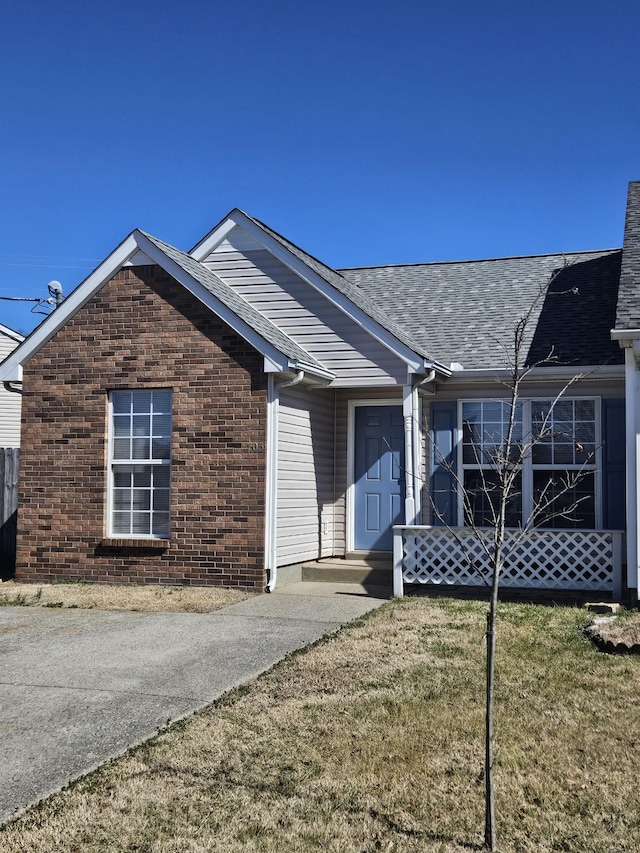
143	330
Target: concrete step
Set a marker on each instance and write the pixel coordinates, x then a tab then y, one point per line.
366	572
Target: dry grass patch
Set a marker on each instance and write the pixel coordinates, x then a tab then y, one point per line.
372	741
150	599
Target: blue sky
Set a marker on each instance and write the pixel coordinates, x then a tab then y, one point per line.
385	131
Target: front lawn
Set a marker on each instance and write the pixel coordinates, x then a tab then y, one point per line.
372	740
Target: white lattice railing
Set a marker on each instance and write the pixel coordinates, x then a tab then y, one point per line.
584	560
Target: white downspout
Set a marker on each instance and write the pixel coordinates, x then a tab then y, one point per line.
632	450
271	509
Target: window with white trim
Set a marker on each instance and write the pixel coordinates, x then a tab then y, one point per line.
555	450
140	463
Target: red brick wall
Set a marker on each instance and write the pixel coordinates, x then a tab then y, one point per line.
143	330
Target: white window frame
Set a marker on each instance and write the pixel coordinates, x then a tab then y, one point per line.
113	464
528	468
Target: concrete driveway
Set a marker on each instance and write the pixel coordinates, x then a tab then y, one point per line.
81	686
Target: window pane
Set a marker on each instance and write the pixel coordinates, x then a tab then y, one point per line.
161	448
140	448
141	523
585	410
541	453
121	477
121	448
121	401
162	401
141	425
121	425
141	475
161	425
141	499
484	496
142	401
563	454
564	499
122	499
121	523
161	524
161	477
471	411
161	500
563	410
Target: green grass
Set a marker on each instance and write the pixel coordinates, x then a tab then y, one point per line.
372	740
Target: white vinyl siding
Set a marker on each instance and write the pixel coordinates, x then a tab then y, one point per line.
10	403
303	314
305	514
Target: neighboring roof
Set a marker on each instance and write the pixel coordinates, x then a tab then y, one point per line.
628	314
462	310
229	297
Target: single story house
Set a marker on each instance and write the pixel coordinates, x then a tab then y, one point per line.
218	415
9	400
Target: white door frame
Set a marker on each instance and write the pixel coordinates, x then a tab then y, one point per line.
351	438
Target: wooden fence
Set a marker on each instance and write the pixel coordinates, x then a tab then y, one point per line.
9	459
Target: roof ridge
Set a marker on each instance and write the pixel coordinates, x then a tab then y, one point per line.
482	260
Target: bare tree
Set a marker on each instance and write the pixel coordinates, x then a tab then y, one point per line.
488	503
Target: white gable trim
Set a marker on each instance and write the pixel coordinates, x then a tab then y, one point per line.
136	242
415	363
15	336
214	238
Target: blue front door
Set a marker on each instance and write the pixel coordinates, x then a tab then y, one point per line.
379	476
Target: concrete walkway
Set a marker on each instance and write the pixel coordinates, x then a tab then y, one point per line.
79	687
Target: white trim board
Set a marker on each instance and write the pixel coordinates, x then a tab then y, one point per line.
351	435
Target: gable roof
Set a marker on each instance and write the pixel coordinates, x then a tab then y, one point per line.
344	286
463	309
279	350
335	287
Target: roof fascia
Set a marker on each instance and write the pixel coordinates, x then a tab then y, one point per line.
415	362
214	238
625	337
11	367
10	333
561	373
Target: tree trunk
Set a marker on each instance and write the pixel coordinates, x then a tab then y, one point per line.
490	814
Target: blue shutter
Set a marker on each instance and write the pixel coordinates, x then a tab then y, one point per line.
442	463
613	464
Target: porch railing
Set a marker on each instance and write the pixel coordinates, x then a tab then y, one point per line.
576	560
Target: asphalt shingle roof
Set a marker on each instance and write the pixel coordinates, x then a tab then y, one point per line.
463	311
628	314
232	300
